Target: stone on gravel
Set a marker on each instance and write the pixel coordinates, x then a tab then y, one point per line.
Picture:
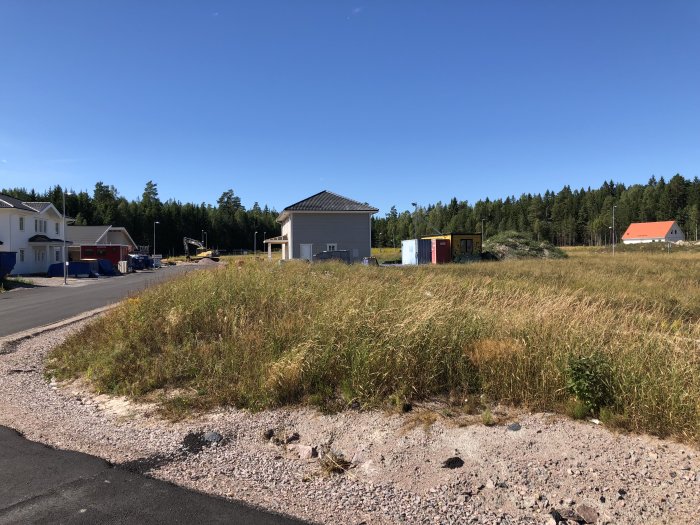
514	427
453	462
554	517
304	451
588	513
212	437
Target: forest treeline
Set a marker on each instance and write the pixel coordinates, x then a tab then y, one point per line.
228	225
569	217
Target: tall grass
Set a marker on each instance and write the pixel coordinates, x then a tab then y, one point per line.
256	335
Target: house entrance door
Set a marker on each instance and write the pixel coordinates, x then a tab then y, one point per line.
306	251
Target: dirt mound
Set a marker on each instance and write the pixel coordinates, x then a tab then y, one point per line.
208	262
514	245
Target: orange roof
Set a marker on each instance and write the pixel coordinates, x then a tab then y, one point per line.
648	230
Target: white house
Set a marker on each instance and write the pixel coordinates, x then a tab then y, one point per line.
34	230
325	221
664	231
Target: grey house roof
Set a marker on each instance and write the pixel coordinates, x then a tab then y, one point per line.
326	201
86	234
38	206
10	202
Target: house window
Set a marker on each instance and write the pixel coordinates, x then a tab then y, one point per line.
331	246
21	255
36	225
21	224
58	255
45	228
56	228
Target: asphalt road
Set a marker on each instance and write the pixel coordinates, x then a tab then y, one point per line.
26	308
39	484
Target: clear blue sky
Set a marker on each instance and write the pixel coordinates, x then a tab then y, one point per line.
383	101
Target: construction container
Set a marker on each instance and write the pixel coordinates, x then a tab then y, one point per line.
441	251
462	244
416	251
112	252
7	262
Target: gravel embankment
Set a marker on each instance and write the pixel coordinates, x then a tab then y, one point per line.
507	476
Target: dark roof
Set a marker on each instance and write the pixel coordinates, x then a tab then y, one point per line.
38	206
329	201
10	202
43	238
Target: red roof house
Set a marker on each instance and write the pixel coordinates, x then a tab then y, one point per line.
664	231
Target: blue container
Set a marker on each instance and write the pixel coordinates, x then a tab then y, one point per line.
7	263
416	251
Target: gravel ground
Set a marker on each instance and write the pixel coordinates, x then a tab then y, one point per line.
396	473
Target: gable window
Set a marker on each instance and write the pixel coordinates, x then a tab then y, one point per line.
21	224
57	229
331	246
36	225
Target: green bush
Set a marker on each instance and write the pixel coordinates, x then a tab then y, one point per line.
589	379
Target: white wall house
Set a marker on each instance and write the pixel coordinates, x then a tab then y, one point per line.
34	230
664	231
325	222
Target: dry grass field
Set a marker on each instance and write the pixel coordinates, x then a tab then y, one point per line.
591	334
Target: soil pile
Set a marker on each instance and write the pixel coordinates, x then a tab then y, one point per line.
514	245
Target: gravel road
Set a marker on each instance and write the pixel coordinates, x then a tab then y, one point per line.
506	476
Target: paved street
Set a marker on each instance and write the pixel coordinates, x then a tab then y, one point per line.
41	485
27	308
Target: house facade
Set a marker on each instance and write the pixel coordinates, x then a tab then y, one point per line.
664	231
34	230
325	221
99	242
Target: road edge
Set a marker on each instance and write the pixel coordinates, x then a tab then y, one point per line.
8	342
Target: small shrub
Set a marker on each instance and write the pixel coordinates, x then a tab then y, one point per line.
576	409
614	419
334	463
589	379
487	418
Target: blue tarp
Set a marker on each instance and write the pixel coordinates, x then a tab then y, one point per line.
105	267
74	269
7	262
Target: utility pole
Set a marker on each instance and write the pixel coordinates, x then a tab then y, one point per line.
613	230
154	236
65	259
255	243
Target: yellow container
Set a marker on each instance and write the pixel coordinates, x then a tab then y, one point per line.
462	243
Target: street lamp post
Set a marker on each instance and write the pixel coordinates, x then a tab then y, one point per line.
154	236
65	260
613	230
415	221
